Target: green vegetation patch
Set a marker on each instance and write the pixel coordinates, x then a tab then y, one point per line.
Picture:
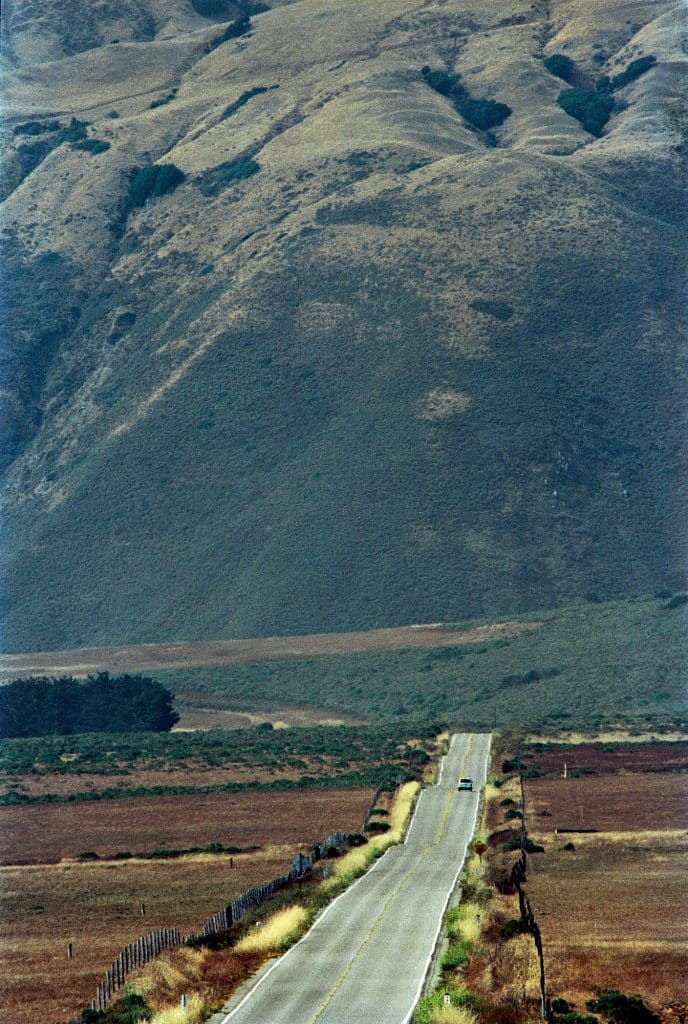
245	97
617	661
562	66
151	182
92	146
618	1008
225	174
482	114
594	107
63	706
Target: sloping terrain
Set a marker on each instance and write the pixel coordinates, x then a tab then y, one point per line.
366	364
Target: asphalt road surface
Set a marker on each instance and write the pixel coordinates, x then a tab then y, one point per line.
365	959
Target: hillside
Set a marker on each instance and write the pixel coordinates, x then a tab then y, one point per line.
366	364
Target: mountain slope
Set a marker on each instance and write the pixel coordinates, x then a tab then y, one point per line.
402	370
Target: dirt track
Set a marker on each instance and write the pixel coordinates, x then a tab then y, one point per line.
148	657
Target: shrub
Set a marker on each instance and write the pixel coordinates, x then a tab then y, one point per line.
88	855
36	127
457	955
226	174
442	82
620	1008
516	926
592	108
151	181
245	97
482	114
377	827
576	1018
234	30
512	814
560	1005
634	70
92	146
562	66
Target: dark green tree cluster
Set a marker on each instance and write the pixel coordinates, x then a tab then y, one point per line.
481	113
594	107
104	703
562	66
154	180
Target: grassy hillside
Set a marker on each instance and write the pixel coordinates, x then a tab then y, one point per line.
366	364
617	662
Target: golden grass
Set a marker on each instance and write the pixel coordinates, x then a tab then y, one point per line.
275	933
170	974
192	1013
356	861
453	1015
466	922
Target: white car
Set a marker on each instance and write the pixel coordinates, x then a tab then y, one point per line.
465	784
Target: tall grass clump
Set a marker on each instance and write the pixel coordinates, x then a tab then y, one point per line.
433	1010
192	1013
277	933
356	861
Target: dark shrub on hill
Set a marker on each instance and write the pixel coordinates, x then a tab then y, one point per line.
234	30
92	146
151	181
592	108
481	113
562	66
634	70
45	707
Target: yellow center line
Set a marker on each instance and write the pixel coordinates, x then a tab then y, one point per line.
438	838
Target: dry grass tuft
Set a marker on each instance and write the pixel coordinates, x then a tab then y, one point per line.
192	1013
453	1015
356	861
279	930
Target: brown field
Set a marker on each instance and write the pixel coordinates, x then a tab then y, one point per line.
640	757
147	657
176	775
611	803
97	906
612	910
45	833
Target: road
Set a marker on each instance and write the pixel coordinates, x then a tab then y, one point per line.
366	957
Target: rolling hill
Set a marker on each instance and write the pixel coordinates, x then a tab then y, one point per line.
364	362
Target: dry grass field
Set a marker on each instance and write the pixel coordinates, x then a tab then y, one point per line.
97	906
45	833
612	909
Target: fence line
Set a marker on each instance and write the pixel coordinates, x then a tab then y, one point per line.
148	947
518	874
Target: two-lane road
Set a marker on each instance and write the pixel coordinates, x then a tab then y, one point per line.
364	960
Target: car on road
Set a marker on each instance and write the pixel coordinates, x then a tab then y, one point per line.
465	784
